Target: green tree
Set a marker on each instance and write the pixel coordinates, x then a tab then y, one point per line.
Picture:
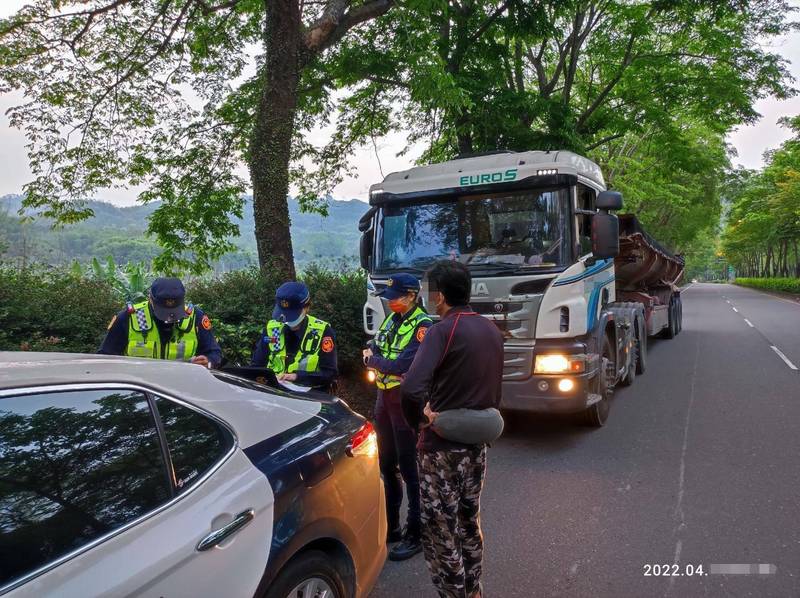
110	89
468	76
762	234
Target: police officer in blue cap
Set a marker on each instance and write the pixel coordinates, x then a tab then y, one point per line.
163	327
395	345
296	346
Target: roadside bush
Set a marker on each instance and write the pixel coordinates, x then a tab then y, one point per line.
53	310
240	304
783	285
45	309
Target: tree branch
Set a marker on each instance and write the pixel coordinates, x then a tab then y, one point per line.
334	23
626	61
606	139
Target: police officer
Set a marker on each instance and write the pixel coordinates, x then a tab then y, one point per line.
397	342
296	346
163	327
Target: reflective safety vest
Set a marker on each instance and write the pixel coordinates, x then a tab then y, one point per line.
392	344
144	339
307	357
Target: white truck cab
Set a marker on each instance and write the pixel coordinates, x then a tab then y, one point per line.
535	231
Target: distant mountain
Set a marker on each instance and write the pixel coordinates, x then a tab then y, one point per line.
118	231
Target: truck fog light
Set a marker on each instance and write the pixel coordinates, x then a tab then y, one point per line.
565	385
371	376
543	386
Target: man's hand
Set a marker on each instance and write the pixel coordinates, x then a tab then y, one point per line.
201	360
287	377
430	414
367	353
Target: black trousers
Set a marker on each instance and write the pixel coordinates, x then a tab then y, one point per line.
397	453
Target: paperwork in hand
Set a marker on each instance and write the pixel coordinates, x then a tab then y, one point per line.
293	387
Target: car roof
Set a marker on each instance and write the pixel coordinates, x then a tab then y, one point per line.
253	415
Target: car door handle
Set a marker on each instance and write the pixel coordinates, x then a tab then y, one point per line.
220	535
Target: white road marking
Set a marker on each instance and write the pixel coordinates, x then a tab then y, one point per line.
736	310
782	356
678	513
749	323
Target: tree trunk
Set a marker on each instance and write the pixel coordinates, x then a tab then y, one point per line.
270	146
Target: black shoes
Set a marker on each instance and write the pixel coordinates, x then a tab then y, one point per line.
394	535
409	547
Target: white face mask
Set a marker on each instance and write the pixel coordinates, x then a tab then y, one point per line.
297	322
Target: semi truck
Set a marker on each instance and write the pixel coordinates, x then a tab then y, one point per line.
575	289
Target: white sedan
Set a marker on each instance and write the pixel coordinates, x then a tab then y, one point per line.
128	477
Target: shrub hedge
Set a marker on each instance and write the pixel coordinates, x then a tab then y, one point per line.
783	285
44	309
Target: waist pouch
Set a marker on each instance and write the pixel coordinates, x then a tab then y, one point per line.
469	426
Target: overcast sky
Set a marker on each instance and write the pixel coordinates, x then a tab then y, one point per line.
750	141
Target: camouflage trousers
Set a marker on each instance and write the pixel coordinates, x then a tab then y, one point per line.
450	489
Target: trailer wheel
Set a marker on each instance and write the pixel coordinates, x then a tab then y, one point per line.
670	330
596	415
679	303
641	346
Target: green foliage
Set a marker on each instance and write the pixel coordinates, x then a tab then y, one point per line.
53	310
672	180
111	100
762	234
785	285
66	310
240	304
475	75
131	282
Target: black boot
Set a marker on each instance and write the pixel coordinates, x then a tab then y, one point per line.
394	535
410	546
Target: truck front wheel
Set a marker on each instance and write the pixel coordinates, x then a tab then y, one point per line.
597	414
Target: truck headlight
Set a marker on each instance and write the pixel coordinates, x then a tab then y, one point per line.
555	363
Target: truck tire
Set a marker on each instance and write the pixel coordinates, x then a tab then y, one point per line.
641	345
679	303
640	340
669	331
597	414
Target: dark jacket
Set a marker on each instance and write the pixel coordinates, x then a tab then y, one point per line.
328	369
460	365
117	337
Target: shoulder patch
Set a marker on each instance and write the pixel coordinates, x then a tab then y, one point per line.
205	322
421	332
111	323
327	344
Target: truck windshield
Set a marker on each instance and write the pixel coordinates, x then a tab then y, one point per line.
521	230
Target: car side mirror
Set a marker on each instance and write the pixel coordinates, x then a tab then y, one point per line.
365	248
609	200
605	235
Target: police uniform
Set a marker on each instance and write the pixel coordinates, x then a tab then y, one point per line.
162	328
306	348
396	345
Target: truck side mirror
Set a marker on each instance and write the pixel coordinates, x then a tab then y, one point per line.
365	248
605	235
365	222
609	200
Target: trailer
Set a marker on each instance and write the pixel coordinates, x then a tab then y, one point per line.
575	290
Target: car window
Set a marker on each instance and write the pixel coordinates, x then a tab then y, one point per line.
195	441
74	466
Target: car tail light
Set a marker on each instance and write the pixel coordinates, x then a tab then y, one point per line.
363	442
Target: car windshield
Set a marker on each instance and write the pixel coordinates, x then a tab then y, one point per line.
526	229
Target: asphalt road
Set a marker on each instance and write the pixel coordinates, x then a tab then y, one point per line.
697	465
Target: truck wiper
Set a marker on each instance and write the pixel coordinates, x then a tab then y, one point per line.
495	267
409	269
